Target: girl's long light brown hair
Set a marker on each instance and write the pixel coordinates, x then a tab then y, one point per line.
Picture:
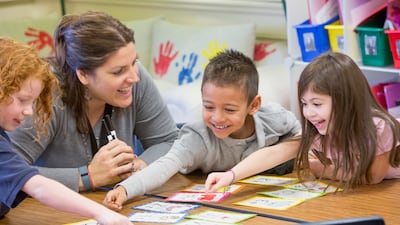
352	133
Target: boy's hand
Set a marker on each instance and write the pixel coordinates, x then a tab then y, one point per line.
217	180
115	198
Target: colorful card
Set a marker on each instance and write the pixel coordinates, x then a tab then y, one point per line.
202	188
270	203
166	207
221	217
269	180
288	193
198	197
202	222
314	186
155	217
84	222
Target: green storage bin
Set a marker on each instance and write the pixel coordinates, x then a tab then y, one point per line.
373	41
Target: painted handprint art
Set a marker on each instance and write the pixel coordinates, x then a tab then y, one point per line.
41	40
187	73
261	52
165	57
213	49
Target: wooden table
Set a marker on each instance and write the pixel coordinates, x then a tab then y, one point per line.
382	199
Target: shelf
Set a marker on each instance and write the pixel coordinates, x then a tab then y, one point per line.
385	69
295	16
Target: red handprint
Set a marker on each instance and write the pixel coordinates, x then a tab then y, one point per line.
260	51
42	40
164	58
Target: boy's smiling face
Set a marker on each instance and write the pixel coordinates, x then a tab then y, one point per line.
226	111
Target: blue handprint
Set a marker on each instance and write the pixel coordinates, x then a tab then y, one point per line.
185	75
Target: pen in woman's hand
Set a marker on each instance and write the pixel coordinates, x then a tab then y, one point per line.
111	134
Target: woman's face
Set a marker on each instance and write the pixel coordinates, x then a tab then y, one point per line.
113	81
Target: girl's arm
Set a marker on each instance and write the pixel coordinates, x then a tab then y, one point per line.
377	172
56	195
379	168
259	161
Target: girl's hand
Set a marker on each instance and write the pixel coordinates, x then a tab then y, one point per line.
321	169
217	180
111	161
115	198
108	217
316	167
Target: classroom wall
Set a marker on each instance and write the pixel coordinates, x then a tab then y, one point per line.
267	14
16	9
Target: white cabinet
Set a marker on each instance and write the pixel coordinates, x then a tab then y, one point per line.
297	12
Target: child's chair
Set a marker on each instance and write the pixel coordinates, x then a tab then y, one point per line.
392	94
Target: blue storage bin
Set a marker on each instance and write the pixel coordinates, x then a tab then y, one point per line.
313	39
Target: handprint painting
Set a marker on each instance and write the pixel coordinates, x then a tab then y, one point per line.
181	52
186	63
35	32
40	40
165	57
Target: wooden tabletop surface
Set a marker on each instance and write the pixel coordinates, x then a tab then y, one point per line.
370	200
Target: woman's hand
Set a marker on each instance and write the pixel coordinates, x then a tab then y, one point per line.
138	165
113	161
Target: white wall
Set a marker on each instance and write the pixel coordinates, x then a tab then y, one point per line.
267	14
15	9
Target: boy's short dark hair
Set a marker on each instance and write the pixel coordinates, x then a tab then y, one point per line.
231	67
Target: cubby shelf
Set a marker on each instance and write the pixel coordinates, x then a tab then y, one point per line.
297	12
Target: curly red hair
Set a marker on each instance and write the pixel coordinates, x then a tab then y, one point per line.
19	62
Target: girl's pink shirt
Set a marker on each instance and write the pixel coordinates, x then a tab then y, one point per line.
385	139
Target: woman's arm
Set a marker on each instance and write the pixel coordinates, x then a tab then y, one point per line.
154	125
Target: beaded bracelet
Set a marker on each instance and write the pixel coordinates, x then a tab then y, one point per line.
83	171
233	176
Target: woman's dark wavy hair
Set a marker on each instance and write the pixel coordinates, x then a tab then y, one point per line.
85	42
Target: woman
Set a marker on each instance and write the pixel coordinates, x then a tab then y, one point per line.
100	75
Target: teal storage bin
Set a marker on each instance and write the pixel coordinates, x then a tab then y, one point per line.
373	42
